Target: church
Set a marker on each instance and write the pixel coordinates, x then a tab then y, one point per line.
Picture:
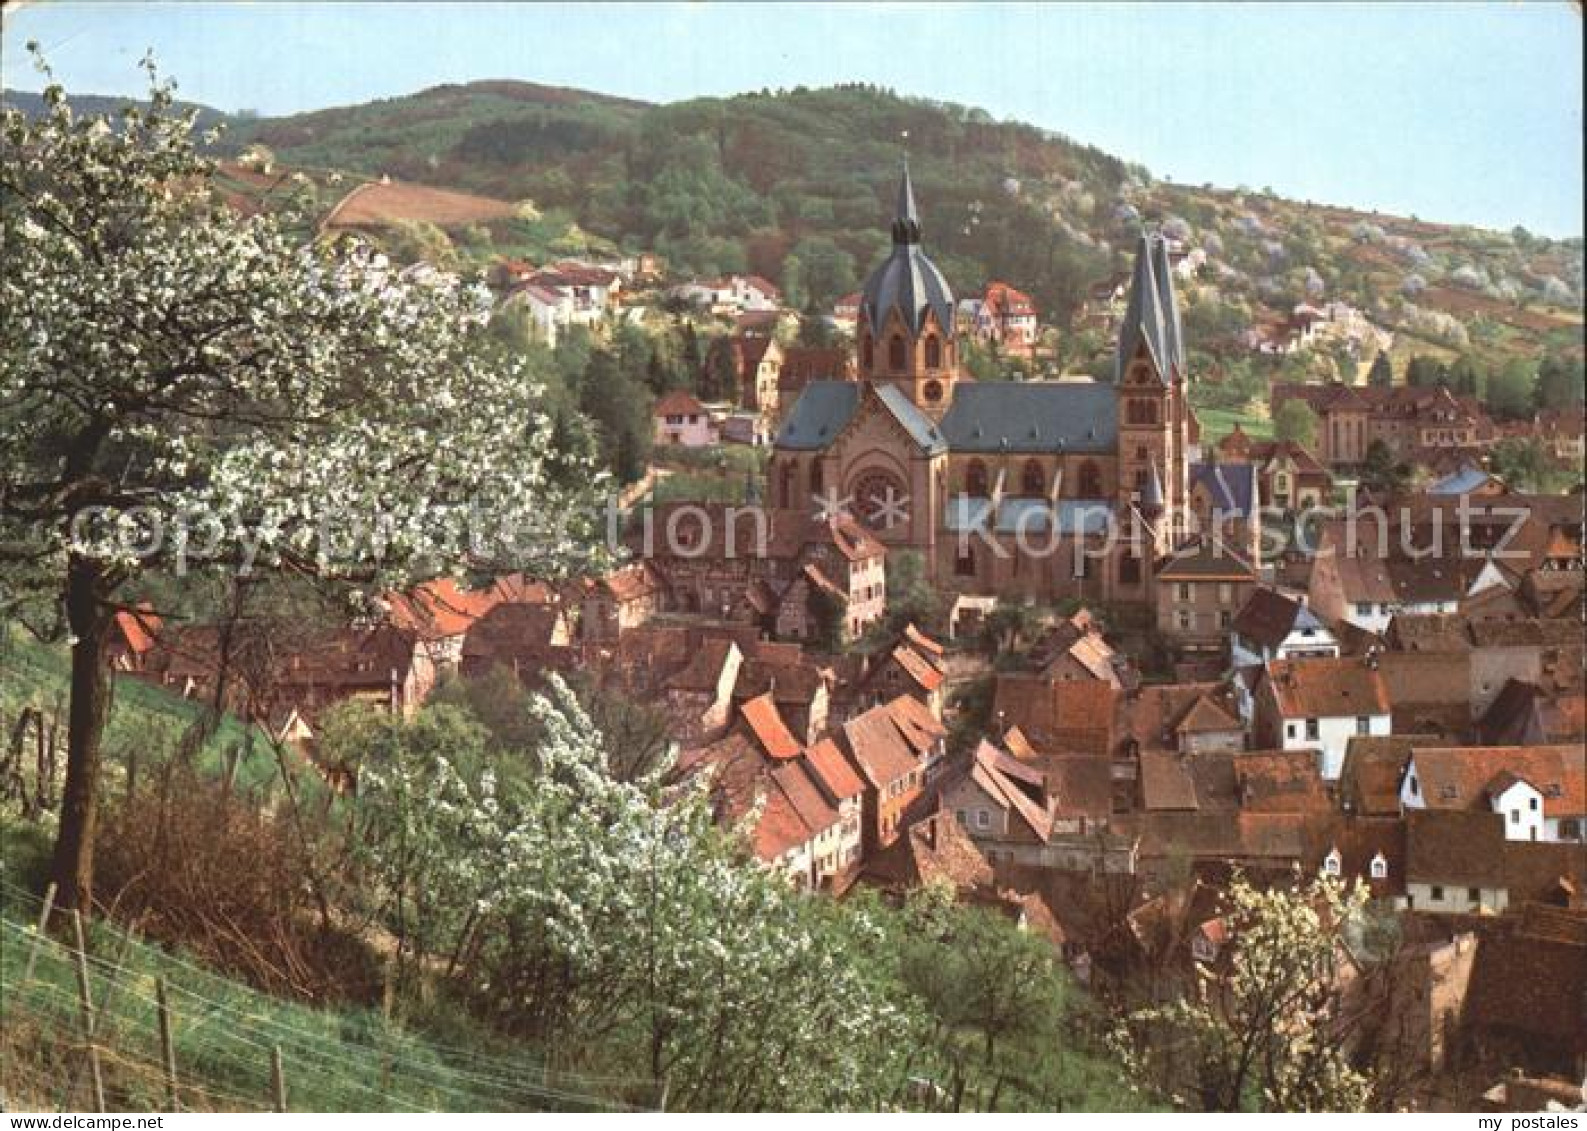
1046	489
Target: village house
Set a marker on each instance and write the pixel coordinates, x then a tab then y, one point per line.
1455	862
801	825
1319	704
1003	317
1416	425
799	688
913	666
1199	591
1524	714
1540	791
131	639
729	295
1288	476
1002	803
788	571
681	420
1271	626
620	601
895	746
1075	649
755	361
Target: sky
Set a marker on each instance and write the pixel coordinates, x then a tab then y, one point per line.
1463	112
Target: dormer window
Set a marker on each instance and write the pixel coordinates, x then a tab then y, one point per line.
1332	863
1379	868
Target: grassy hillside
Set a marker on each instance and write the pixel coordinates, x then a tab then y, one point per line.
342	1059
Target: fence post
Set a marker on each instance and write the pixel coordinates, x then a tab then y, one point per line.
278	1079
85	1001
38	938
167	1046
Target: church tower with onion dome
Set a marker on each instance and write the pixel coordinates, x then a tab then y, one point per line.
905	334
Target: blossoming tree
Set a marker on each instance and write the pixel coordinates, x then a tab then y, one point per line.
181	385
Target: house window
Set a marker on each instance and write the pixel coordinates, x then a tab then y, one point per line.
1532	804
1291	730
983	819
1438	894
1363	725
1363	608
1182	591
959	815
1416	788
1225	592
1311	729
1515	816
1224	619
1473	896
1184	620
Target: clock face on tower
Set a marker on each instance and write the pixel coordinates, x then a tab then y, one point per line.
880	500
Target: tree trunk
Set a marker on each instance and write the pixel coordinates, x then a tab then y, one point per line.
74	843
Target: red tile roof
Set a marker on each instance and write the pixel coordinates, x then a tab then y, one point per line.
1324	687
1464	777
678	402
766	724
138	628
833	771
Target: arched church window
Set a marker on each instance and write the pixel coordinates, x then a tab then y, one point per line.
1032	481
1090	481
817	483
975	482
933	352
896	353
867	352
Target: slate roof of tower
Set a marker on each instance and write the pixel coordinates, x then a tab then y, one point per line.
907	278
1032	416
1143	316
1173	331
1231	485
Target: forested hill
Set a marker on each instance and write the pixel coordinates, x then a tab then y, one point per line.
797	186
741	183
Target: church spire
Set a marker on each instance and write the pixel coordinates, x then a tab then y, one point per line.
1143	317
906	217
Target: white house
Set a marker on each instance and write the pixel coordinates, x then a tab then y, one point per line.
1540	791
1455	863
1369	592
1271	626
682	421
1320	704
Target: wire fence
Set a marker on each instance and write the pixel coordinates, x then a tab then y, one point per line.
126	1023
